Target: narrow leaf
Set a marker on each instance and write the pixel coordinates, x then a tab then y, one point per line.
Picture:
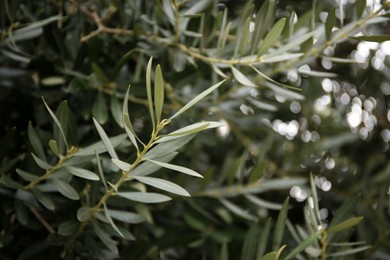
83	213
41	163
330	22
277	83
165	148
100	75
191	129
272	36
158	92
349	251
241	78
176	168
130	131
99	147
280	225
238	210
45	200
99	109
373	38
105	139
127	217
65	189
360	6
116	110
144	197
124	166
147	168
163	185
149	91
105	238
250	243
297	41
304	244
57	122
347	224
100	170
197	99
35	141
54	147
263	239
110	221
244	37
82	173
26	175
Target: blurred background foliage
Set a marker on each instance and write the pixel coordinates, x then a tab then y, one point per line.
310	121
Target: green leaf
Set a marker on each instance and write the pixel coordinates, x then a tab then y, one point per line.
347	224
345	211
295	42
106	140
158	92
224	38
149	91
41	163
144	197
116	110
262	243
26	175
270	256
100	170
349	251
224	253
187	130
147	168
304	244
249	247
65	189
241	78
197	99
45	200
360	6
163	185
280	225
263	19
123	60
244	37
272	36
281	57
99	109
125	216
196	8
110	221
100	75
82	173
263	203
68	228
35	142
243	213
124	166
276	84
168	147
130	131
330	22
54	148
176	168
373	38
99	147
83	213
105	238
57	123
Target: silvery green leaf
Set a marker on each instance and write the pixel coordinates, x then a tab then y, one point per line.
65	189
241	78
198	7
82	173
106	140
176	168
281	57
238	210
158	92
262	105
197	99
168	147
149	91
110	221
83	213
273	81
26	175
57	122
99	147
41	163
349	251
125	216
191	129
288	94
263	203
296	42
54	148
144	197
163	185
99	109
100	170
105	238
272	36
44	199
35	141
116	110
147	168
124	166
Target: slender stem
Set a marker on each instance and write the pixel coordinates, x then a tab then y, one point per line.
50	171
324	237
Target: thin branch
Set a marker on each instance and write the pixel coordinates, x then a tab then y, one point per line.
42	220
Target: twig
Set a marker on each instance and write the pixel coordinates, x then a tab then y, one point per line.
41	219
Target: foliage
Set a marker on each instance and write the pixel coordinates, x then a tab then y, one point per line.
98	151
